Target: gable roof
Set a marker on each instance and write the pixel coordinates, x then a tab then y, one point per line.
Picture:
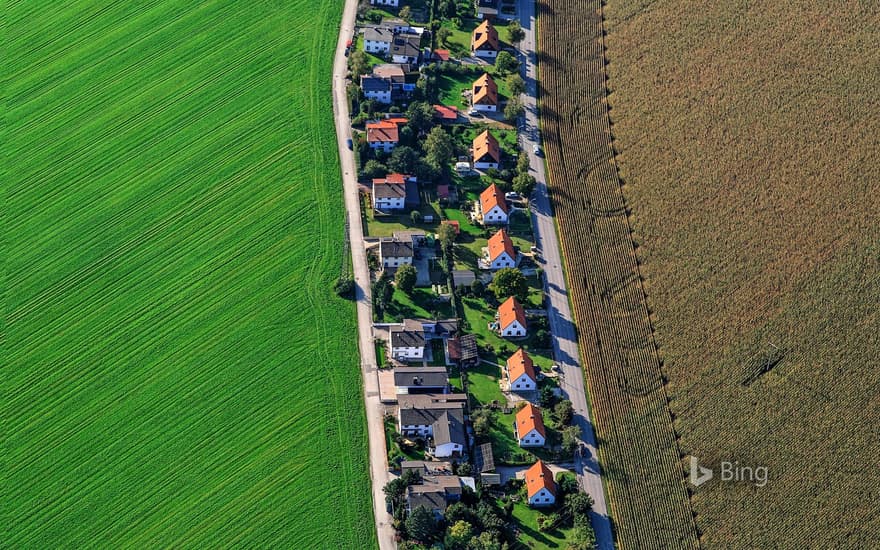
484	37
384	190
501	242
378	34
410	335
449	428
442	55
431	414
406	44
511	311
486	144
389	70
382	131
539	477
520	363
492	197
375	84
485	91
432	501
445	113
393	248
529	418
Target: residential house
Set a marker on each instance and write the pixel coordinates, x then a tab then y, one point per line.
501	251
520	371
486	9
441	55
392	3
436	492
493	206
419	420
540	487
399	26
445	114
529	427
484	41
395	252
383	135
426	467
389	193
377	89
421	380
407	341
511	319
484	94
487	152
449	437
377	40
405	48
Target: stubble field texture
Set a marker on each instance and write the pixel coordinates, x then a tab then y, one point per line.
745	139
178	373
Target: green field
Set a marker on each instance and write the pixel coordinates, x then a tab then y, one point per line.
182	375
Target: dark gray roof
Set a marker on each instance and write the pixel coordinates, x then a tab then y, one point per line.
434	501
434	377
449	429
410	335
406	44
426	467
426	399
463	277
378	34
412	193
427	416
484	460
487	3
391	248
375	84
389	190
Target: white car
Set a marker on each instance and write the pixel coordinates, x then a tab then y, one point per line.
536	149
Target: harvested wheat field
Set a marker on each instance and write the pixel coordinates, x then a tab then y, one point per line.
746	140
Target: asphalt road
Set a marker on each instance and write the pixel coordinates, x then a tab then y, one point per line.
562	326
378	459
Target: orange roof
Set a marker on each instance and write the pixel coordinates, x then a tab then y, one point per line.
484	37
484	144
442	55
485	91
454	223
528	419
518	364
511	311
392	178
382	131
397	119
492	197
539	477
501	242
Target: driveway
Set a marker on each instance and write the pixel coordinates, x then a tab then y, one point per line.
565	348
378	459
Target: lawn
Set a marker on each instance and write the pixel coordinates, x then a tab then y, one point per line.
420	305
478	314
385	226
183	375
531	537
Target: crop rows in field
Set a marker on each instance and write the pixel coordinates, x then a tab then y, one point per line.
649	500
181	374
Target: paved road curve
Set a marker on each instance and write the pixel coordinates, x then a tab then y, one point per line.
375	429
565	347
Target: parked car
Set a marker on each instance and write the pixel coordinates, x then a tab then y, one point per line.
475	112
349	143
536	149
512	196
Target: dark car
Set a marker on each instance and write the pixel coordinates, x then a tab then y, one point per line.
349	143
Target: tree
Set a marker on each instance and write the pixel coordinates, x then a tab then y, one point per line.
583	537
571	436
465	469
516	84
358	64
477	288
567	483
524	183
416	217
458	511
446	234
344	286
564	412
421	525
515	33
522	163
443	35
514	109
487	541
405	13
506	63
578	504
374	169
405	278
482	421
421	117
547	397
458	534
509	282
438	148
403	160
